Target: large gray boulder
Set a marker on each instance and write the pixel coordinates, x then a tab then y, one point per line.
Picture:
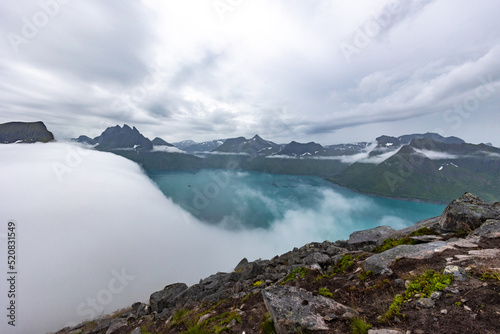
376	263
489	229
467	213
371	236
293	309
166	298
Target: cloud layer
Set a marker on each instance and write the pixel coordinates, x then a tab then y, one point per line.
328	71
95	234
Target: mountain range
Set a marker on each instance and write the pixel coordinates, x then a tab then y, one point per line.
424	167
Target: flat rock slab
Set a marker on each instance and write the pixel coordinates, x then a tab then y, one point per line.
371	236
376	263
427	238
293	308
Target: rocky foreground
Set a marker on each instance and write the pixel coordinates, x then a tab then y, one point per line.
441	275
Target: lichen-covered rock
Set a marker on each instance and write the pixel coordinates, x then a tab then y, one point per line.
166	298
467	213
426	303
458	272
294	309
376	263
371	236
489	229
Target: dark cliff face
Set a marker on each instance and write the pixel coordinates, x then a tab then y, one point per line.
119	138
298	149
26	132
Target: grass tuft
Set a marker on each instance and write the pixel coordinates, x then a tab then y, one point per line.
391	243
325	292
359	326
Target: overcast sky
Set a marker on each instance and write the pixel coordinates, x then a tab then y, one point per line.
327	71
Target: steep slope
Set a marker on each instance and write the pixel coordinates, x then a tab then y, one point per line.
393	281
160	142
413	175
25	132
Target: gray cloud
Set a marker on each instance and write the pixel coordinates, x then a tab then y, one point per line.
179	66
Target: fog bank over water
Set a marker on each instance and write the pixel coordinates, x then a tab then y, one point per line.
96	234
239	200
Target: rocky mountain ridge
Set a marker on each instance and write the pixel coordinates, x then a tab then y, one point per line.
441	275
24	132
423	167
122	138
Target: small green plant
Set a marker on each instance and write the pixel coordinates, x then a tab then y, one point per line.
294	274
365	274
267	325
391	243
246	297
458	304
325	292
422	231
490	274
427	283
179	317
258	283
359	326
424	285
394	308
346	262
213	325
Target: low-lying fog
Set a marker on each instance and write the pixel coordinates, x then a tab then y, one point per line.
96	234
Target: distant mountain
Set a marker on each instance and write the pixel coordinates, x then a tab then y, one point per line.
84	140
24	132
429	170
346	149
298	149
462	149
160	142
206	146
406	139
256	146
122	138
387	143
427	167
183	144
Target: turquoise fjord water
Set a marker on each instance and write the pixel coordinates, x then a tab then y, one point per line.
250	200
